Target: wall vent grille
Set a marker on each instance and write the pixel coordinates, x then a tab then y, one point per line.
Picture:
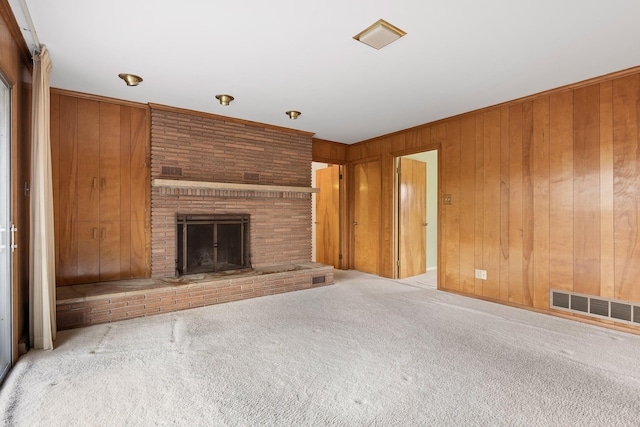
602	308
318	279
171	171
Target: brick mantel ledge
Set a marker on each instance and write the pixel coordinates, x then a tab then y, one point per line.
209	185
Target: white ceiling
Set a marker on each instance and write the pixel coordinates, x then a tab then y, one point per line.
278	55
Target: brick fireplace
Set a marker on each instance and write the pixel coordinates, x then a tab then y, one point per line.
208	150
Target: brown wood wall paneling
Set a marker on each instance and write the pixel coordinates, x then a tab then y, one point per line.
492	204
544	193
541	202
515	212
626	186
328	151
467	203
607	244
505	152
478	146
561	187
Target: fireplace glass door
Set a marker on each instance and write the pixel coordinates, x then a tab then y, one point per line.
211	243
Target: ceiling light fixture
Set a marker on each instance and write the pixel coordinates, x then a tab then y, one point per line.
224	99
379	34
130	79
293	114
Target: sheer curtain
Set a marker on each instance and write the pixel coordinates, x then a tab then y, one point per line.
42	286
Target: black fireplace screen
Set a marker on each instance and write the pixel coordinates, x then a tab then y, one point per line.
211	243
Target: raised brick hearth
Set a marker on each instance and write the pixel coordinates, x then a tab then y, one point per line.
91	304
270	168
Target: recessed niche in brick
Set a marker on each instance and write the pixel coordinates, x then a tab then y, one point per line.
171	171
251	176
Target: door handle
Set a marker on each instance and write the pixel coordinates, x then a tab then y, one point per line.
355	222
14	245
95	232
103	183
103	233
94	184
424	224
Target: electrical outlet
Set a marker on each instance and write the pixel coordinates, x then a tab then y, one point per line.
481	274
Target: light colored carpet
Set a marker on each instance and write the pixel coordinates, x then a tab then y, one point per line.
428	280
364	352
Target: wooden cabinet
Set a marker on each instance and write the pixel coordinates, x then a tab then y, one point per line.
101	189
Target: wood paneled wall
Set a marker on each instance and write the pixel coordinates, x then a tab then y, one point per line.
545	193
325	151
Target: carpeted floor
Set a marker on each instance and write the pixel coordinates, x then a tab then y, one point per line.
428	280
364	352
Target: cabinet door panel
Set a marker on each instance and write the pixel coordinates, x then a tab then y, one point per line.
138	245
139	169
125	249
88	160
66	252
88	252
68	160
125	163
109	162
109	250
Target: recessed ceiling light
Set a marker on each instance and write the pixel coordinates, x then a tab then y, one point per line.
130	79
379	34
224	99
293	114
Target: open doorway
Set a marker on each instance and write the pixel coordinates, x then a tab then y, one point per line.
417	217
326	214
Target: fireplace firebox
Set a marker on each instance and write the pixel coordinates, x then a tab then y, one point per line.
211	243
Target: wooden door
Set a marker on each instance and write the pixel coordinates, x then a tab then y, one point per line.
366	218
412	218
328	216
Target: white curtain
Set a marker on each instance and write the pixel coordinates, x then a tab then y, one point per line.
42	286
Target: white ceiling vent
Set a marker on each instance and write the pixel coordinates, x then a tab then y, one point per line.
379	34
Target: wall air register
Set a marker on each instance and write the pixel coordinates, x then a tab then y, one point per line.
593	306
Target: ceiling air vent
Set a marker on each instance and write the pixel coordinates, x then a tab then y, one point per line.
602	308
